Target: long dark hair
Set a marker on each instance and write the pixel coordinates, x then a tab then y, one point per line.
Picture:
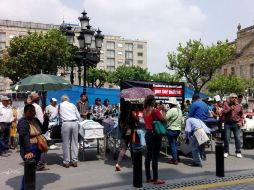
149	101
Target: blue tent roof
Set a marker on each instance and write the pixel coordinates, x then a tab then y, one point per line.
102	93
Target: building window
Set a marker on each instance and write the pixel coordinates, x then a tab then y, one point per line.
2	37
2	45
110	62
120	45
252	70
225	72
111	45
140	62
110	68
128	55
110	53
120	61
140	46
242	71
128	47
140	54
129	62
232	71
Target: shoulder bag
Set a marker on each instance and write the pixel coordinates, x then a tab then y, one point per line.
158	127
41	141
201	136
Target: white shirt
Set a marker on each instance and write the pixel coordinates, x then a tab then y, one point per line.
67	111
50	109
6	114
38	112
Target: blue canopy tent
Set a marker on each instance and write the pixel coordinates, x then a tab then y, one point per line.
102	93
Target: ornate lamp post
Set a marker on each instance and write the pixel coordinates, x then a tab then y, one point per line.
90	43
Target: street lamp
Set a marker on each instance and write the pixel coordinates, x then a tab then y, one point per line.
90	44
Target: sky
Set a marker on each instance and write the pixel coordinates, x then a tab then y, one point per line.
162	23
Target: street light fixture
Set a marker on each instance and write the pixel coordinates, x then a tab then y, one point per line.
90	44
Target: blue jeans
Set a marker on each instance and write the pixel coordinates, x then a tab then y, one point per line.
4	136
153	146
196	151
236	131
172	139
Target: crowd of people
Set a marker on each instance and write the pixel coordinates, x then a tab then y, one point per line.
197	114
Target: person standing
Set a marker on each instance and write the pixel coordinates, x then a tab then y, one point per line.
233	117
198	108
49	110
38	110
70	118
29	128
97	111
13	127
153	141
6	118
128	122
174	118
83	106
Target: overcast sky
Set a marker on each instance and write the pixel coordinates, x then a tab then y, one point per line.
162	23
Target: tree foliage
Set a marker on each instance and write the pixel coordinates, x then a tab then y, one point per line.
36	53
96	77
128	73
197	62
165	77
222	85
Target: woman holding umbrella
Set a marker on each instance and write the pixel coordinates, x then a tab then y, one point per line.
153	141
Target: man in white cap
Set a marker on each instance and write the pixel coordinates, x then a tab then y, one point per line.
52	107
6	117
49	110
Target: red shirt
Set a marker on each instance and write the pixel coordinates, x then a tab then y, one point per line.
150	118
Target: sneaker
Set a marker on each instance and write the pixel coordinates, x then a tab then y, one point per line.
118	168
238	155
225	155
53	147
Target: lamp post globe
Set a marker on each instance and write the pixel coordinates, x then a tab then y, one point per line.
89	46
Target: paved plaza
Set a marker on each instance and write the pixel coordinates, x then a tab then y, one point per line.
94	173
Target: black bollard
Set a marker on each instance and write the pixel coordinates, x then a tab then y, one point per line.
137	168
219	151
29	174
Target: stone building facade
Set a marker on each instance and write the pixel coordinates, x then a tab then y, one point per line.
116	51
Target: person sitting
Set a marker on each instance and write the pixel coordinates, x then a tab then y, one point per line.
107	109
83	106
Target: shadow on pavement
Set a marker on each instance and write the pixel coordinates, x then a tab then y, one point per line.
42	179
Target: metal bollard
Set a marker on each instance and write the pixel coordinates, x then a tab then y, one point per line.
219	151
29	174
137	168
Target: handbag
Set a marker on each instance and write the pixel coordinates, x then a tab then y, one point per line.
42	143
201	136
55	131
158	127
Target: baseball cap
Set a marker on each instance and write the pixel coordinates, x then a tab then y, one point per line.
233	95
53	99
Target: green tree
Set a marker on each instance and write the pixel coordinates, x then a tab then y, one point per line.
96	77
165	77
35	53
197	62
129	73
222	85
